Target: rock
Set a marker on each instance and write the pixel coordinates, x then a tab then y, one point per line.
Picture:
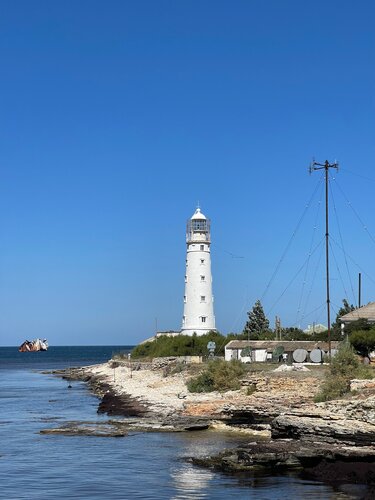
359	385
297	367
316	428
113	404
322	462
79	429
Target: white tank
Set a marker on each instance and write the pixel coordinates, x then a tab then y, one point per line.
198	299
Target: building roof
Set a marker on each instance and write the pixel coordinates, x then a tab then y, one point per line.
198	215
364	312
289	345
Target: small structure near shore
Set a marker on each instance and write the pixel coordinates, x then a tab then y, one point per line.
249	351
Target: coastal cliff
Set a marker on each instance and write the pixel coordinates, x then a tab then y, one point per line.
287	430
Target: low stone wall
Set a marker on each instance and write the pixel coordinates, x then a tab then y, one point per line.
158	363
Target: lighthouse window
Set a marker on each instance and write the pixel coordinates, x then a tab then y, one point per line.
184	298
203	298
199	225
203	318
203	278
185	279
202	261
202	248
183	319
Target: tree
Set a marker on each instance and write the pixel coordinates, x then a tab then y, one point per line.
345	309
360	324
292	333
257	322
363	341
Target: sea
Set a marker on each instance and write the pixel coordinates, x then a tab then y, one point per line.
140	465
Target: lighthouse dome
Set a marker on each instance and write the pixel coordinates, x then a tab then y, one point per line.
198	215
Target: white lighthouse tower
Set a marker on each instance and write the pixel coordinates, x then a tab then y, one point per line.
198	299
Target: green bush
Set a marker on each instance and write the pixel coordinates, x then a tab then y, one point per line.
202	383
344	367
219	376
363	341
180	345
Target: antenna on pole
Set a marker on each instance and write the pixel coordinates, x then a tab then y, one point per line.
326	166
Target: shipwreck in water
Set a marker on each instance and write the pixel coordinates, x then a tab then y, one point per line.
34	345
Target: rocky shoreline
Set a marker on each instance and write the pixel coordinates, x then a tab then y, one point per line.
283	429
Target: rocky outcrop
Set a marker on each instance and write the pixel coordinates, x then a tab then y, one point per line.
112	404
325	462
121	428
87	429
323	441
318	429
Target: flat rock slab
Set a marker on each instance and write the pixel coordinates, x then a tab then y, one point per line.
121	428
76	429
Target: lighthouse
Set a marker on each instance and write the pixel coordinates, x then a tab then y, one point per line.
198	299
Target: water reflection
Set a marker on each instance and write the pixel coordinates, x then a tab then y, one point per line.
191	482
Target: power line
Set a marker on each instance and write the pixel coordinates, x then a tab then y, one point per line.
290	240
355	213
354	262
338	271
309	254
356	174
234	256
314	310
241	311
294	277
342	243
312	284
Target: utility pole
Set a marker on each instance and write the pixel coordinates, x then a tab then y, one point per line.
278	328
359	289
326	166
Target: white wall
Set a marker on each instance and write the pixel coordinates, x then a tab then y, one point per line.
198	264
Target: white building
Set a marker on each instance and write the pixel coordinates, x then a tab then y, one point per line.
198	299
250	351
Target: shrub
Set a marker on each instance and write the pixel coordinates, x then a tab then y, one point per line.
202	383
180	345
334	387
344	367
363	341
219	376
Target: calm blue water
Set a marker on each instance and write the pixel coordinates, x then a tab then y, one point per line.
147	466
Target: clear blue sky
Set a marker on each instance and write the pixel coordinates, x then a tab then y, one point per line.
118	116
